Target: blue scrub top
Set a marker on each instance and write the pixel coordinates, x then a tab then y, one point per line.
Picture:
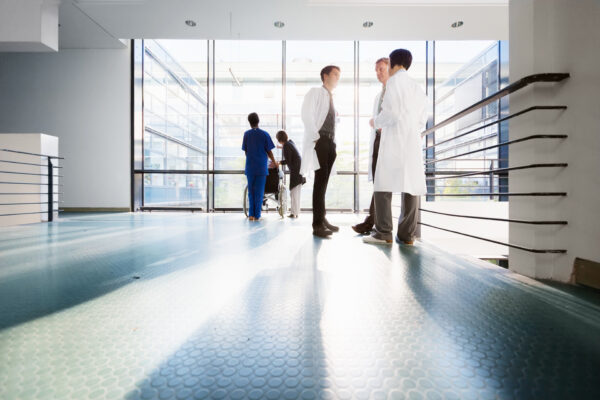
256	144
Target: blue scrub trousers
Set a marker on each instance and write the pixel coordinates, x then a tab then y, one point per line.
256	191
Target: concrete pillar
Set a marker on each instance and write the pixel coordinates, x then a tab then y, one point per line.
556	36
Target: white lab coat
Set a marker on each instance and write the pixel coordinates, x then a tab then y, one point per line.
372	138
314	111
402	119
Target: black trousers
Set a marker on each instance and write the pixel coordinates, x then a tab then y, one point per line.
370	220
326	155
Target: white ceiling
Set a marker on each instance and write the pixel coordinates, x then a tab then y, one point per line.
99	23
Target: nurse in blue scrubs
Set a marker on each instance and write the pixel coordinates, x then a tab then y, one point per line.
258	145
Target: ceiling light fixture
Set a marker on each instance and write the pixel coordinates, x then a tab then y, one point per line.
367	24
279	24
190	23
457	24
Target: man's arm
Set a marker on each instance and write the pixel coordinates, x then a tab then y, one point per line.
272	158
390	110
309	112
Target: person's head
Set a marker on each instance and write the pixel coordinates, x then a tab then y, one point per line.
253	120
400	59
382	69
281	137
330	75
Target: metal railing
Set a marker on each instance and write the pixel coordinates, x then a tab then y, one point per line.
433	175
50	185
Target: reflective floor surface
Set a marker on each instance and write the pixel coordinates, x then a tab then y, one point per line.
197	306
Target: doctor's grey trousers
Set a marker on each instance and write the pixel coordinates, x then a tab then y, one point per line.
407	223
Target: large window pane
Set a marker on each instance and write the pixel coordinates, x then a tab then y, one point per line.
340	193
248	79
229	191
175	190
466	72
175	122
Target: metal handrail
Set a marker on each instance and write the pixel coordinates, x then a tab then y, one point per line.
32	154
495	171
498	145
50	183
518	221
30	183
495	122
521	83
27	173
538	251
25	194
28	213
517	194
25	163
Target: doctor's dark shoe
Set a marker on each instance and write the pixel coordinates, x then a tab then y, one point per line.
361	228
322	232
332	228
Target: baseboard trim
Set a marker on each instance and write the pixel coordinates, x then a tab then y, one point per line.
94	209
587	272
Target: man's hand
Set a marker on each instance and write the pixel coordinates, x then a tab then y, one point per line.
372	123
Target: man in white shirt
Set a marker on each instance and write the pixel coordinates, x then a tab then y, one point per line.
319	148
383	74
400	163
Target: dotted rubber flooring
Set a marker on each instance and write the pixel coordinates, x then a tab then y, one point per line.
197	306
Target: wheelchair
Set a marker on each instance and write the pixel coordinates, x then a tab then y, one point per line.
275	193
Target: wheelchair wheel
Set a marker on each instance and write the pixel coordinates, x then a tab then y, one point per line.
245	201
282	201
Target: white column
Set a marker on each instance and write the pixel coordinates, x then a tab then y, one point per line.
556	36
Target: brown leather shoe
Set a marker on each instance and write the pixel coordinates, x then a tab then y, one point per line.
332	228
361	228
322	232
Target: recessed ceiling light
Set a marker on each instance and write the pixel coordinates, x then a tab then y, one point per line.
191	23
457	24
279	24
367	24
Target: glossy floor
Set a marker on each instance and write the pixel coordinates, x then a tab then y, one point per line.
194	306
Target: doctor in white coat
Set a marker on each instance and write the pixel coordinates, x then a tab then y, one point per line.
383	74
400	164
318	147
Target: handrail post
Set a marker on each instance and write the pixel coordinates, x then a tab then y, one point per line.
50	191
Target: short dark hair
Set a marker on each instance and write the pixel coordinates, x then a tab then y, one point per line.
281	136
253	119
327	70
400	57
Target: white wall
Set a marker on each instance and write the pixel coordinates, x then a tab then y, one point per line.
556	36
83	97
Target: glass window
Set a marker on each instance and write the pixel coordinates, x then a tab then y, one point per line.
248	78
466	72
175	118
